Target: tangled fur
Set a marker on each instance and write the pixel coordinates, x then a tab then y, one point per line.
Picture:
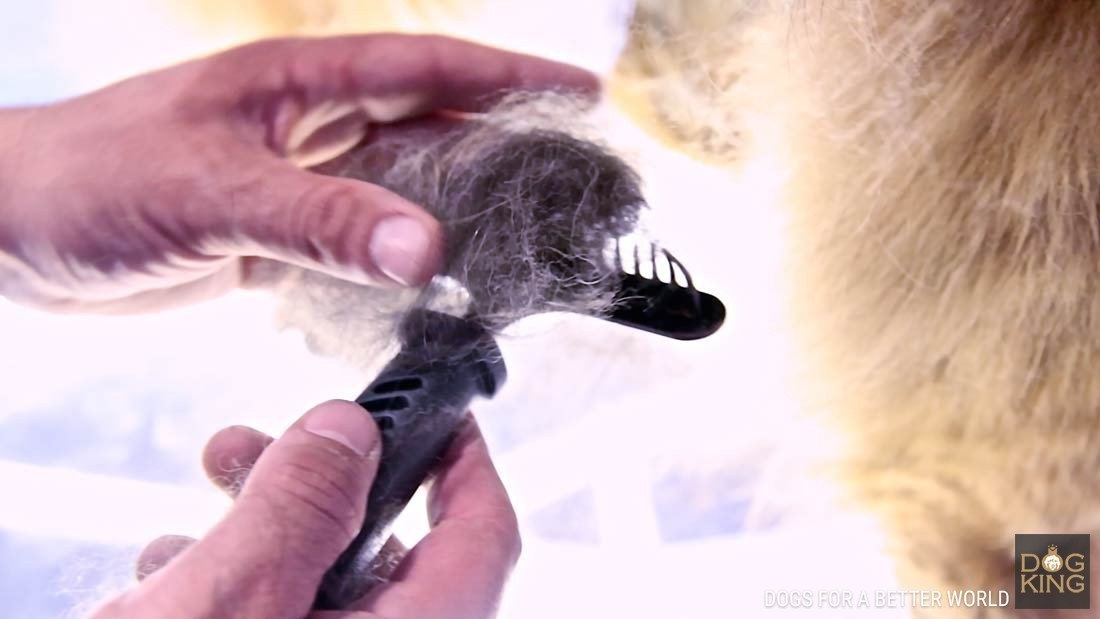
529	200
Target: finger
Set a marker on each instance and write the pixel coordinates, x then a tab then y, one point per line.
327	90
388	559
343	227
377	154
459	569
301	506
203	287
260	273
383	565
159	552
334	128
230	454
398	73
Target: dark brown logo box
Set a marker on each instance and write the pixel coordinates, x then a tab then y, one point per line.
1052	571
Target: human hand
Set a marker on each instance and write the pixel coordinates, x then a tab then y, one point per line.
168	188
301	505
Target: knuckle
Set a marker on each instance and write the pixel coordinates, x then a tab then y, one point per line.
314	491
327	200
322	217
256	70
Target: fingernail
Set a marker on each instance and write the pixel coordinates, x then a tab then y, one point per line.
399	247
345	424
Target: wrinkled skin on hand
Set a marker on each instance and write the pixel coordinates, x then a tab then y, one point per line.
168	188
299	501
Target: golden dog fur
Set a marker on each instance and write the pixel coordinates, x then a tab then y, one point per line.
944	238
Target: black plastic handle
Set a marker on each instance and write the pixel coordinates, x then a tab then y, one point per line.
418	402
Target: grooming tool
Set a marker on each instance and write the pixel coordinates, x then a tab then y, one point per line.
531	212
421	396
418	402
671	309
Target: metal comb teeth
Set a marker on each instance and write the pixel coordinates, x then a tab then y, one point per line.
670	308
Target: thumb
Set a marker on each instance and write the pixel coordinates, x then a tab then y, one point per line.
344	227
301	506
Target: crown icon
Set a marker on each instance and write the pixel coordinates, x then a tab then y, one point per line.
1052	548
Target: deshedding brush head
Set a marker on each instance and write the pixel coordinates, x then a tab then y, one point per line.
529	204
538	223
532	204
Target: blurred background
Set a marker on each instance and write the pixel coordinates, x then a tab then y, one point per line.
651	477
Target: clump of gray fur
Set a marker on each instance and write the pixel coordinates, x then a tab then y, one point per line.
530	201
